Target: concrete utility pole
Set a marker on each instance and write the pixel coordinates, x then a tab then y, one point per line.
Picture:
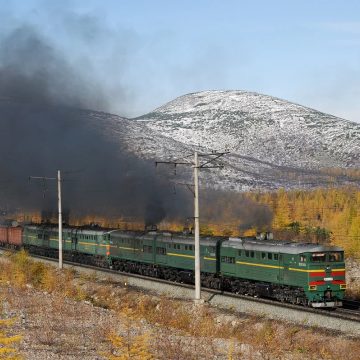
213	156
60	223
60	214
197	229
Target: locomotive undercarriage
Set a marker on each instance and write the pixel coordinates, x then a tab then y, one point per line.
165	272
72	256
282	293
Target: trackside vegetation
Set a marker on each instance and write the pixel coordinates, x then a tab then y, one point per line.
78	314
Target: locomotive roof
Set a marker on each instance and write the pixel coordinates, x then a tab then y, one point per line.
87	230
165	237
126	234
168	237
280	246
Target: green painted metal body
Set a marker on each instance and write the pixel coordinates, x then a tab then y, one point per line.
284	264
77	239
165	249
279	263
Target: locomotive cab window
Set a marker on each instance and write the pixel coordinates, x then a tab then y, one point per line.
318	257
335	256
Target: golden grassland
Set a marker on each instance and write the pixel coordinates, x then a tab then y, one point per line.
63	312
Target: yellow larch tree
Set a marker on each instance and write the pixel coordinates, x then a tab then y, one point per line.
126	342
7	350
282	216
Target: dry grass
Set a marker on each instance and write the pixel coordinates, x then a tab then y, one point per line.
64	314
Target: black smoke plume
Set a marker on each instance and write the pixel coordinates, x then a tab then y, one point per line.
44	128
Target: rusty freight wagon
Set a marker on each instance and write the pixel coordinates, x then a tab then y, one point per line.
10	234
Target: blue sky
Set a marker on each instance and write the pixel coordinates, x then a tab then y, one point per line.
146	53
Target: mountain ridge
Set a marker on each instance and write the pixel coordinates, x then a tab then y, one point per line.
273	143
265	132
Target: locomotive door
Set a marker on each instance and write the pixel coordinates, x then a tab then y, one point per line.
74	240
140	249
282	268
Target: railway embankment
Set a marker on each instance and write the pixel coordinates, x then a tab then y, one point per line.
69	314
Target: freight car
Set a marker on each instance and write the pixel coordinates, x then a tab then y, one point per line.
300	273
10	234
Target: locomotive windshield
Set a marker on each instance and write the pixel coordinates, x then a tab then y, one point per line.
318	257
336	256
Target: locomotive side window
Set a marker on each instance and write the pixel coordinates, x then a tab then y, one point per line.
276	256
212	249
252	254
39	236
190	247
302	258
160	251
239	252
270	256
228	259
147	249
246	253
336	256
318	257
263	256
178	247
186	247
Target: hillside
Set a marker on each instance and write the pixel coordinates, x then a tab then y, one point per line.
273	143
264	134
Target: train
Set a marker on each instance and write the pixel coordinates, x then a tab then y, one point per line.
296	272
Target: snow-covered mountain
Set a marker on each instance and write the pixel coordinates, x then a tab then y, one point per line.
272	142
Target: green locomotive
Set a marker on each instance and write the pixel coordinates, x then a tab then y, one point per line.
300	273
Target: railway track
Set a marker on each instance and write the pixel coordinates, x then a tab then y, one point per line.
350	311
